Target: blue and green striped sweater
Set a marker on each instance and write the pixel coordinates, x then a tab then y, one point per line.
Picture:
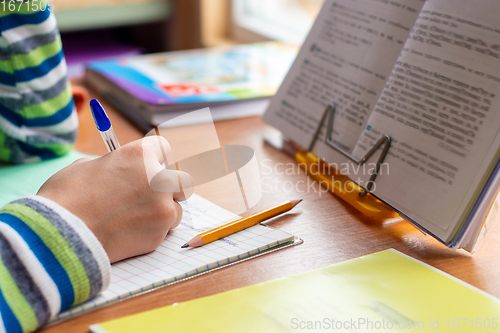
49	259
37	117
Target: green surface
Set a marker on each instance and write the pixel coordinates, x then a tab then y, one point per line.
112	16
20	180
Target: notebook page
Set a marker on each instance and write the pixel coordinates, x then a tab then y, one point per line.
169	263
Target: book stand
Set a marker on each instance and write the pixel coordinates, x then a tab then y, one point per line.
340	184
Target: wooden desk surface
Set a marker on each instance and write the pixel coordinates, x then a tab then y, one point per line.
332	231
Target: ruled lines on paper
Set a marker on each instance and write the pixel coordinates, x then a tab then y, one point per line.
169	263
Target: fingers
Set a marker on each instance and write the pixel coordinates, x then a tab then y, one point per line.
179	183
157	147
178	215
155	150
186	183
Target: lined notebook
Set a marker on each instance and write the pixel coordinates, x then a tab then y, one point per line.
169	263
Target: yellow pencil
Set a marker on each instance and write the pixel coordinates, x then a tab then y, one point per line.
240	224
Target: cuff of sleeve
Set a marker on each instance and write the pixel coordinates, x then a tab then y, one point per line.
87	237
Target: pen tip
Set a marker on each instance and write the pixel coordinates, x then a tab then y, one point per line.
295	202
184	246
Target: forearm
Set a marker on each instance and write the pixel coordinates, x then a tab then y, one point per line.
37	116
50	261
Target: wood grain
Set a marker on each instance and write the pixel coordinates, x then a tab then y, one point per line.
332	230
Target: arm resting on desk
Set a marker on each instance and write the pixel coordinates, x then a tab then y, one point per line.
37	116
49	261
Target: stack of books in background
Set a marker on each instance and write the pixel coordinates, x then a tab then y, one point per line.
234	81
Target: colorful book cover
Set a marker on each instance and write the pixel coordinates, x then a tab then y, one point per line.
199	76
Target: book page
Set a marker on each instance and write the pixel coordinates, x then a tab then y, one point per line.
441	107
169	263
346	59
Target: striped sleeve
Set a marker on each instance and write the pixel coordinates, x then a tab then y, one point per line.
49	261
37	115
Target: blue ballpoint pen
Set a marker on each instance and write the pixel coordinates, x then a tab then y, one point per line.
104	125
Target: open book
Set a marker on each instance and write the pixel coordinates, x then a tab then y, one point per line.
427	74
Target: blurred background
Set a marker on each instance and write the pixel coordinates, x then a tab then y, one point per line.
99	29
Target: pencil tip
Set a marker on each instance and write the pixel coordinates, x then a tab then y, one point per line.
184	246
295	202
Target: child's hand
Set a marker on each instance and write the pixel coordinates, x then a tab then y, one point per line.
111	194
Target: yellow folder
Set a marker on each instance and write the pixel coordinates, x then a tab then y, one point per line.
382	292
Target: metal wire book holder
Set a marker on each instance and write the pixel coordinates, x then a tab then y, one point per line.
339	184
385	140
